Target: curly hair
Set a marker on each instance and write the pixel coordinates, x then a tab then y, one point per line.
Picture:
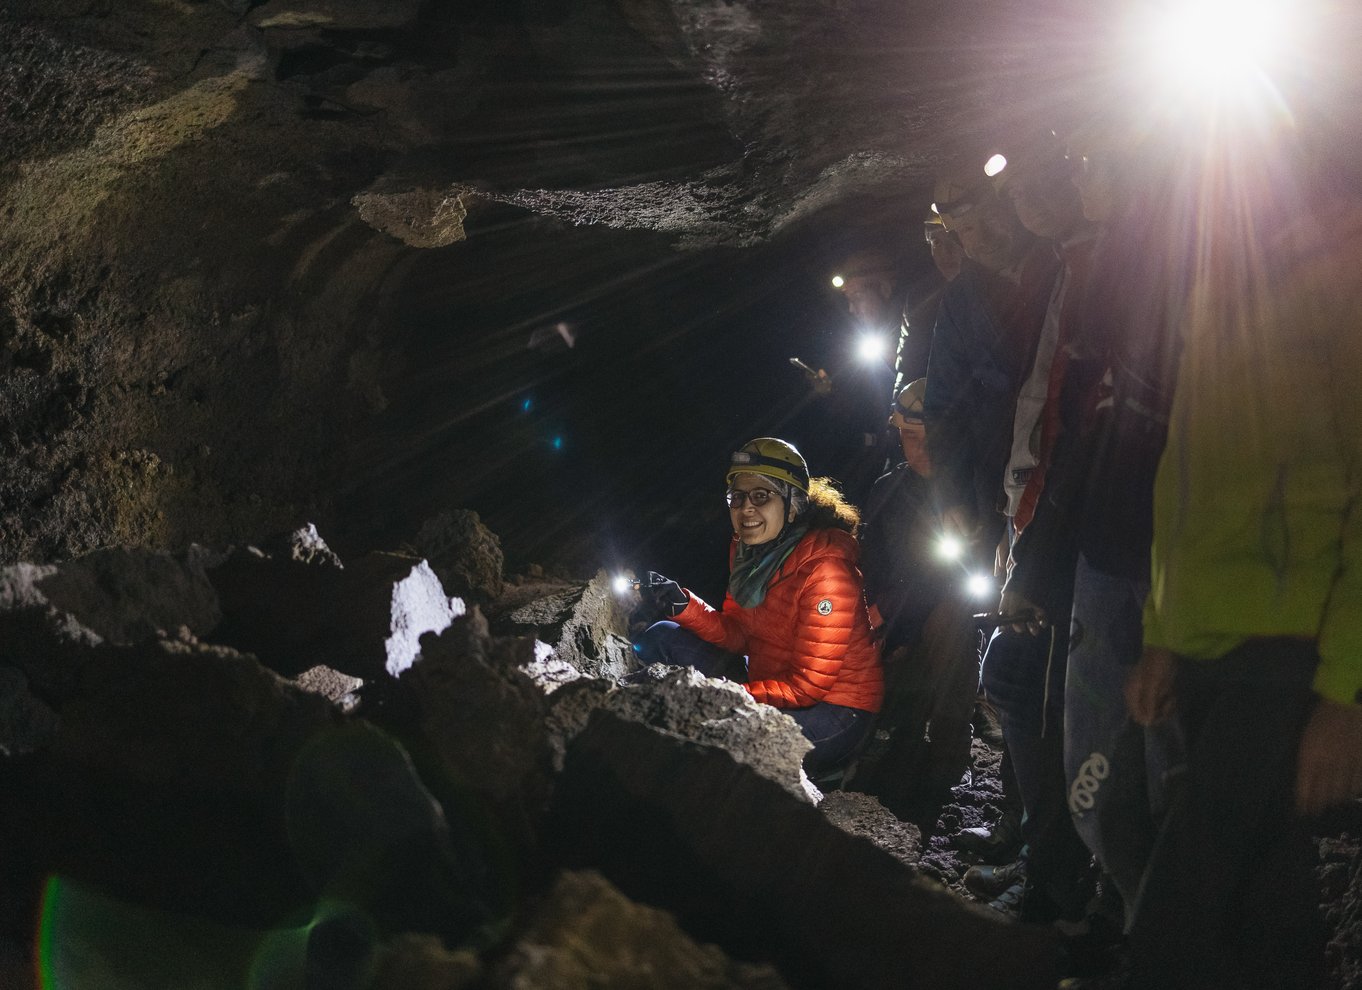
826	507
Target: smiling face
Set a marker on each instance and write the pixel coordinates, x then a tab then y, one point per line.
757	524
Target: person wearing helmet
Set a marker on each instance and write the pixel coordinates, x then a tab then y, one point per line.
1024	664
948	254
917	601
985	333
794	622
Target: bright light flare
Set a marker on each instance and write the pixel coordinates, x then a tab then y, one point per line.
838	281
994	165
622	584
950	547
980	585
870	348
1212	45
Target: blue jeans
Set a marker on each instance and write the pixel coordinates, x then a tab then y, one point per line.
834	730
1116	769
1023	676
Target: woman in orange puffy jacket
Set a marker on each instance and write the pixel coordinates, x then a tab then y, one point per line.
795	616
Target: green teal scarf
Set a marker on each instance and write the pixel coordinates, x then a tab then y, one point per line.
753	567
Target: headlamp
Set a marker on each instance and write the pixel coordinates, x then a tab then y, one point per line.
980	586
870	348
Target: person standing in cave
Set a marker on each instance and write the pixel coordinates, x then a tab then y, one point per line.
1024	663
924	302
919	606
1252	629
982	346
794	628
853	393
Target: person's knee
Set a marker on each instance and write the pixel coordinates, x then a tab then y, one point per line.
651	645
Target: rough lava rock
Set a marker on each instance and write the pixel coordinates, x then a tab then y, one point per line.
861	814
464	553
584	625
26	723
748	865
127	595
481	716
187	715
584	932
365	620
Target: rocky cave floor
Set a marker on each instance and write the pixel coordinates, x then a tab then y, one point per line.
342	775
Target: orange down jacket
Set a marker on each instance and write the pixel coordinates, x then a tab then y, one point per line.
809	640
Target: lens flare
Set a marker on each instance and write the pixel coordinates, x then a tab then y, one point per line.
950	547
980	585
622	584
870	348
838	281
1214	52
994	165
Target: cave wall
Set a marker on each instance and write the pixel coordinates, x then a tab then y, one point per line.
213	216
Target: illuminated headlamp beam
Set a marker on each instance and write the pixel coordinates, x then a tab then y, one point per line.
950	547
980	585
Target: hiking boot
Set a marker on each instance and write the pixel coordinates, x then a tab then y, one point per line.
995	843
987	726
1010	901
992	881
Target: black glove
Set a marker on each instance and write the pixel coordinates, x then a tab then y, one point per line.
665	593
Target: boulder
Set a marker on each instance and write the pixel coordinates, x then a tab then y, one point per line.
337	15
482	717
340	689
186	715
50	613
586	625
584	932
746	864
365	620
861	814
26	723
367	833
464	553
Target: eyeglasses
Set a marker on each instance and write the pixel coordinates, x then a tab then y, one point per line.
757	496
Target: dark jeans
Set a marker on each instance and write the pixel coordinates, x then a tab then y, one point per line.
1229	899
1023	676
835	730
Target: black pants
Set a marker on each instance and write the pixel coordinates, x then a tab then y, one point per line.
1229	899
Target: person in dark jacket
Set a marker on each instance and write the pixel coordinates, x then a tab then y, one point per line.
794	623
982	345
918	601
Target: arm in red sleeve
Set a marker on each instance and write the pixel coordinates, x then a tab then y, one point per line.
821	630
711	625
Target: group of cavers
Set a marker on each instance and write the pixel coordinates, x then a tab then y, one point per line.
1141	413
